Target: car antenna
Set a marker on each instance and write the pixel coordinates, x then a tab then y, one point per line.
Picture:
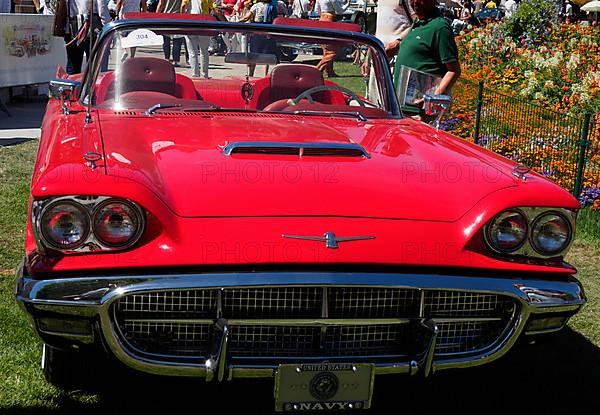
88	112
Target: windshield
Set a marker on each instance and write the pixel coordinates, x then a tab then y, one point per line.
215	67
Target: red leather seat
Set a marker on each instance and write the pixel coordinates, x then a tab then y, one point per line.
148	74
289	81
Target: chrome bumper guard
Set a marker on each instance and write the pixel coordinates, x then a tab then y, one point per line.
90	298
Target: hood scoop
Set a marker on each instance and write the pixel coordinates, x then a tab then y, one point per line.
296	149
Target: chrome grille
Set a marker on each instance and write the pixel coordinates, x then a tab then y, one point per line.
170	304
460	337
178	323
268	341
367	340
171	338
285	302
299	341
367	302
457	303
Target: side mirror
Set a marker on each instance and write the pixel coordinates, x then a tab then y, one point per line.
63	89
436	105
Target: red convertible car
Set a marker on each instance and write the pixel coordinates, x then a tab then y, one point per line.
265	221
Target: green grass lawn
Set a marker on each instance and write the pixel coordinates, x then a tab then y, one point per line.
561	371
349	75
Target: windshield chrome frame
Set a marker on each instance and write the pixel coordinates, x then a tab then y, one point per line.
380	64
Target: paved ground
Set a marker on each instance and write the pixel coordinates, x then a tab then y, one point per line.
24	122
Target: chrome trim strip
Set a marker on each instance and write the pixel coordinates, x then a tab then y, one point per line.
68	295
307	322
300	146
428	361
81	338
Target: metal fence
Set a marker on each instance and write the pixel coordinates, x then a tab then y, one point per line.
563	148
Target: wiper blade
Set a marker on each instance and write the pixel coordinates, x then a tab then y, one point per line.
185	108
156	107
216	108
354	114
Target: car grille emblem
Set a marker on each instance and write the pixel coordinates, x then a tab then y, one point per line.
331	241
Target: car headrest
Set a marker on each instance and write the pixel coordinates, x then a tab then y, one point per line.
290	80
148	74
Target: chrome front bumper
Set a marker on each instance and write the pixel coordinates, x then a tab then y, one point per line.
89	299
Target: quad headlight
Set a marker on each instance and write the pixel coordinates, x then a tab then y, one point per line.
87	223
116	223
508	231
65	225
550	233
530	231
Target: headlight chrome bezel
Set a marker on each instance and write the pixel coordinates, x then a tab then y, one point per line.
533	214
570	232
495	245
137	214
48	241
89	205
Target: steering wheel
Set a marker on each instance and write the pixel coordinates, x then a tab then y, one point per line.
309	92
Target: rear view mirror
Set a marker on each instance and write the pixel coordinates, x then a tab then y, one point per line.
63	89
251	58
436	105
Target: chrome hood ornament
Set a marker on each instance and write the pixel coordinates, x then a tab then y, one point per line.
331	241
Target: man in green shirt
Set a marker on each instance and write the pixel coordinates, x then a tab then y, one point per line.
429	47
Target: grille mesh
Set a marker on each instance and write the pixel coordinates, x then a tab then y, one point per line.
179	323
460	336
286	302
170	304
267	341
457	303
366	302
183	339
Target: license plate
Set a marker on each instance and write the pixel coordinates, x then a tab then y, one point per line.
323	386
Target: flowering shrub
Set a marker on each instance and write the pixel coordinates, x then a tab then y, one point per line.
591	197
533	21
562	74
538	85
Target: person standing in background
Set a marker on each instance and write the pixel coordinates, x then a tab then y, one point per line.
171	6
128	6
327	10
301	9
263	11
429	47
393	18
45	7
72	21
510	7
198	45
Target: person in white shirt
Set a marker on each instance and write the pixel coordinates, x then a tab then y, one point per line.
301	9
128	6
393	18
510	7
327	10
46	7
197	45
568	12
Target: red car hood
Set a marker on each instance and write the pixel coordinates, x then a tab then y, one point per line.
414	172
